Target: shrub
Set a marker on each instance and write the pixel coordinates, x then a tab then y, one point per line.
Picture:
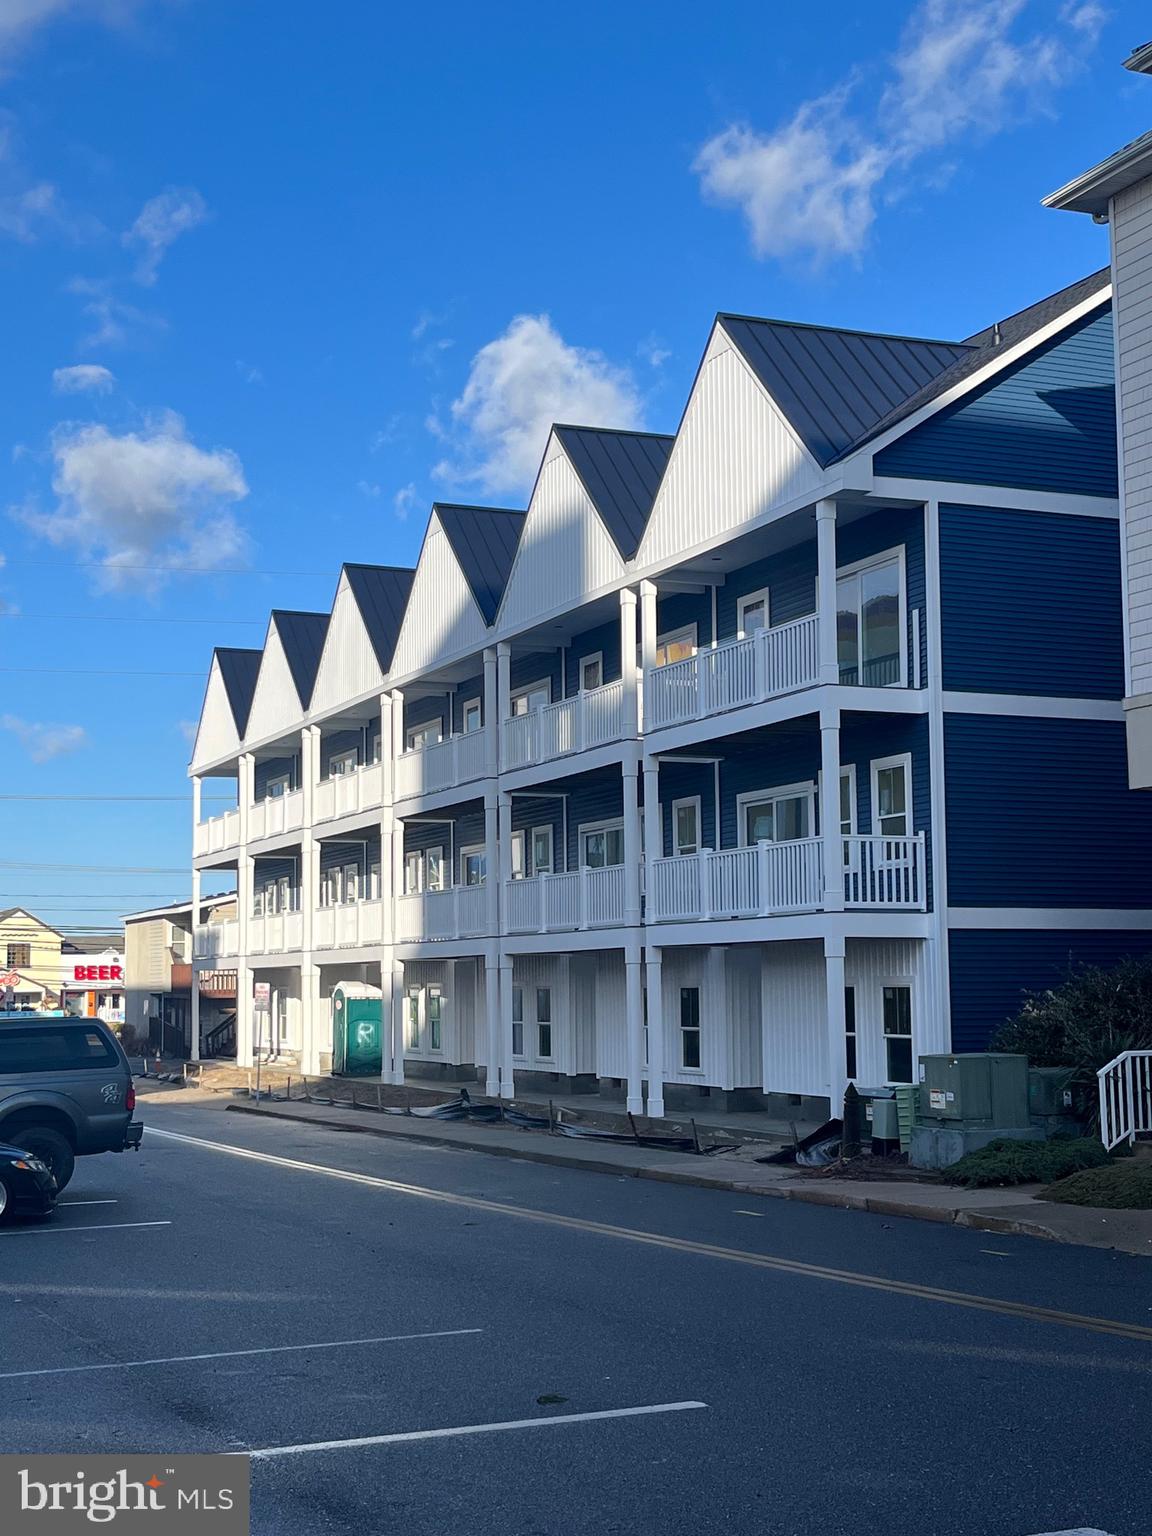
1086	1021
1124	1186
1026	1162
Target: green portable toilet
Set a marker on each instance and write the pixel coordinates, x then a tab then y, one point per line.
357	1045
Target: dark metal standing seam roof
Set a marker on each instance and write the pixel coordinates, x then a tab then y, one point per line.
484	541
381	594
621	471
302	636
834	385
239	670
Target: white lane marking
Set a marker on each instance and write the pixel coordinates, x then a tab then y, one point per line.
1000	1253
231	1354
748	1213
465	1429
107	1226
1081	1530
87	1202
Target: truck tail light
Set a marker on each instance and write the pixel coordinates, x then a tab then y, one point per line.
130	1097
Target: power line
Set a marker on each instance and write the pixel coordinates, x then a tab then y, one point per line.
168	570
125	618
84	895
97	672
96	869
131	799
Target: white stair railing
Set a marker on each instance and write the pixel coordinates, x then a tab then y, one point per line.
1125	1087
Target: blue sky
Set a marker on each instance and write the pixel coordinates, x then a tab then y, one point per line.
274	277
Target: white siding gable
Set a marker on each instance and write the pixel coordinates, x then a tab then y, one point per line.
348	667
1132	267
442	618
216	735
275	704
565	552
735	459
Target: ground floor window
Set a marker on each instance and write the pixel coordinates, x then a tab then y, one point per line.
544	1022
898	1032
435	1017
517	1021
690	1028
850	1031
413	1018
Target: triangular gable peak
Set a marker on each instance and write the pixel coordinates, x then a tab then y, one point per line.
736	458
349	666
442	619
217	735
621	471
276	704
565	550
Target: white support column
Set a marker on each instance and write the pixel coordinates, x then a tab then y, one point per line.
629	672
397	1018
826	590
630	768
653	821
634	1026
497	848
503	693
507	1070
194	1019
309	850
492	1006
832	845
313	1038
244	1013
648	635
654	957
245	788
837	1045
491	713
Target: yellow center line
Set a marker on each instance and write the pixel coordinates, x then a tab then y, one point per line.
1020	1309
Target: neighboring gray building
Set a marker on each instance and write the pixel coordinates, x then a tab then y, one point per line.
158	980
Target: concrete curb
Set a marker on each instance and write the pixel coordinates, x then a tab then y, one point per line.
876	1205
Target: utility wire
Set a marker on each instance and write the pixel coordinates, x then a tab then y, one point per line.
97	672
96	869
125	618
131	799
168	570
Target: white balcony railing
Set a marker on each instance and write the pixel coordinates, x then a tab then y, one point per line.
217	833
270	818
770	879
444	765
580	898
346	793
461	912
349	925
764	666
589	719
1125	1088
217	941
275	933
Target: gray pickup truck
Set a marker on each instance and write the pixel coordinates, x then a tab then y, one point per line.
65	1090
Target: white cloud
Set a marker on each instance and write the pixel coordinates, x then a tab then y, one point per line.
162	220
188	729
83	379
518	386
404	500
150	498
962	71
42	742
249	372
20	19
368	488
114	323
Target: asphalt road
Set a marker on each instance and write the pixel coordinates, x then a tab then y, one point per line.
835	1389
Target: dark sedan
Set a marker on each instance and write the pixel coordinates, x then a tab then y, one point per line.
27	1187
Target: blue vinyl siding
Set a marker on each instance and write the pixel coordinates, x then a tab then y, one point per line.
464	830
1031	603
433	706
791	581
466	692
1040	814
595	799
990	970
534	668
267	872
274	768
605	638
1047	425
679	609
683	781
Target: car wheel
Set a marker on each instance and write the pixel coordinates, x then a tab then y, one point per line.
51	1148
6	1201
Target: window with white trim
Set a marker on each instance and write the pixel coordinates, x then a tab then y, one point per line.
434	1007
519	867
351	883
277	788
897	1014
332	890
676	645
601	844
377	745
434	869
284	901
544	1022
542	850
777	815
532	697
752	613
517	1021
413	1018
690	1028
413	873
591	672
427	734
870	633
686	825
892	796
342	763
374	880
471	717
850	1031
472	865
848	810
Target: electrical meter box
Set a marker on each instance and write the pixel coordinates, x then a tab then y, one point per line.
987	1089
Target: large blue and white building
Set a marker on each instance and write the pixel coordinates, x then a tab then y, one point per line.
743	762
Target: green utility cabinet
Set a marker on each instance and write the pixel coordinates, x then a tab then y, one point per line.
977	1090
357	1033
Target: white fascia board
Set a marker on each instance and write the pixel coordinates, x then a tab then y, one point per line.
1002	359
1011	497
1122	919
1037	706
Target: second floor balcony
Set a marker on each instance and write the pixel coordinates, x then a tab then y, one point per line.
217	833
215	941
343	794
591	718
436	765
277	814
275	933
457	912
577	899
764	665
350	924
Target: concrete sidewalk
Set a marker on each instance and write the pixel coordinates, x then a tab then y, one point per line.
1013	1211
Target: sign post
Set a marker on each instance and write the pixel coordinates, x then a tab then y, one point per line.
262	1010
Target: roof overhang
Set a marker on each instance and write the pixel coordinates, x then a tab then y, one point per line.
1140	59
1094	190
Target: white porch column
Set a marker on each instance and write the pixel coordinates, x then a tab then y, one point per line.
497	838
633	843
654	957
309	847
653	821
837	1045
313	1039
648	634
491	713
629	673
397	1018
244	1013
194	1020
503	693
634	1025
492	1005
832	846
826	590
507	1071
245	788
